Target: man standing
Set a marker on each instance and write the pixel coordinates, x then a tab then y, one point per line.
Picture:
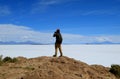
58	42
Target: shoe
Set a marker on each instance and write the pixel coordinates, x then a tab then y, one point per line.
60	55
54	55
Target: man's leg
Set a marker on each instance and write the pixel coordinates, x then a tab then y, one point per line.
60	49
56	50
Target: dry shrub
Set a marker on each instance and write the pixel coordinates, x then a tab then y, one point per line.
115	69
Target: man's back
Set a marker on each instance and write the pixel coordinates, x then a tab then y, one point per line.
58	38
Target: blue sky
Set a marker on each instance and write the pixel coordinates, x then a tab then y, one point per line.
79	17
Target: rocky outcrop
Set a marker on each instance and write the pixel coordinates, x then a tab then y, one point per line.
53	68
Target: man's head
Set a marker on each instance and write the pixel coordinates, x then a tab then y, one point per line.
58	30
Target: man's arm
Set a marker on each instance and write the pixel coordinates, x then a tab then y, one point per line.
54	34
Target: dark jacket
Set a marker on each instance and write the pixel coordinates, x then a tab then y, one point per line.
58	37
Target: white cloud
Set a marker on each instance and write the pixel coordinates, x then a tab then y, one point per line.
111	38
77	39
49	2
10	32
43	5
53	2
98	12
101	12
4	10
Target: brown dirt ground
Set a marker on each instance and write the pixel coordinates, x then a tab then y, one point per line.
53	68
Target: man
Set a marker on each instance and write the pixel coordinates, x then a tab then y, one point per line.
58	42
